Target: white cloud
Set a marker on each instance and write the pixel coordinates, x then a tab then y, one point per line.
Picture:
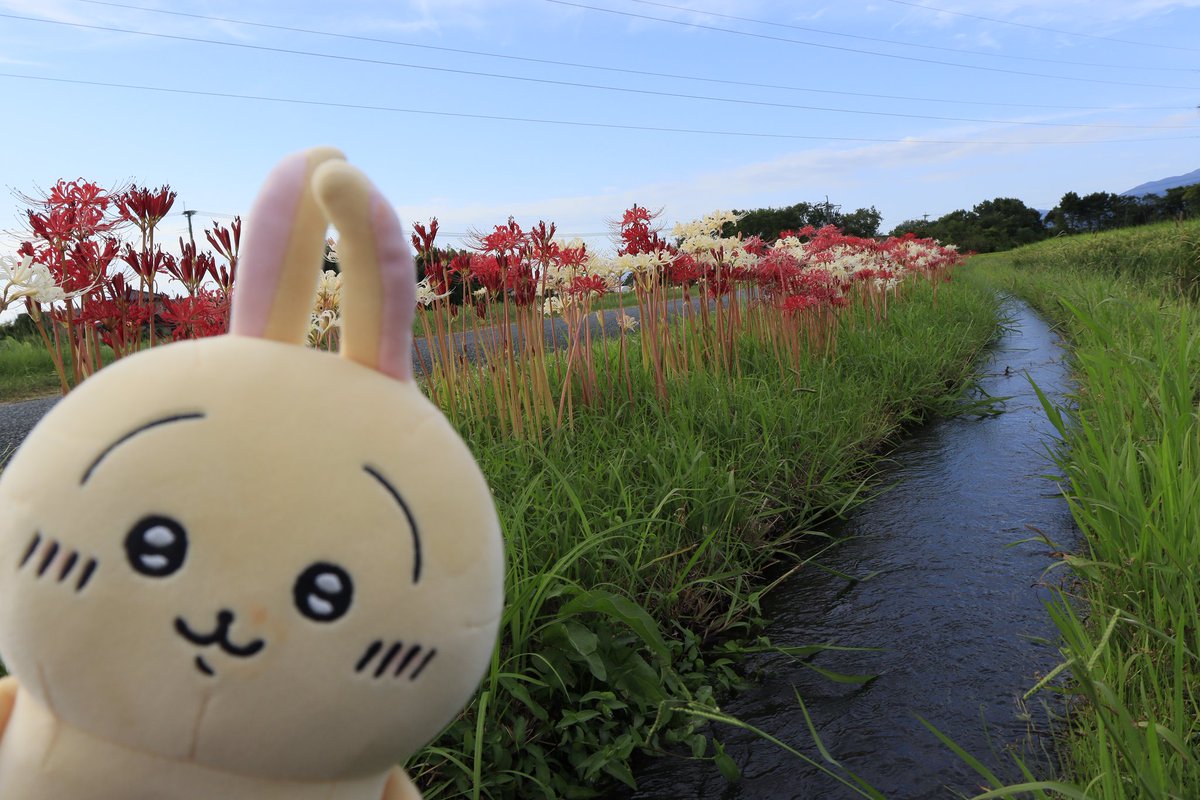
1082	16
807	175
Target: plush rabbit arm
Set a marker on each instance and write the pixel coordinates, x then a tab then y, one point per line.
8	696
400	787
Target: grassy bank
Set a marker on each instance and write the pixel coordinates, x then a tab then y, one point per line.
26	370
642	532
1131	639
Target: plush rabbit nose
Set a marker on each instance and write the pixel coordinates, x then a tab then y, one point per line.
379	289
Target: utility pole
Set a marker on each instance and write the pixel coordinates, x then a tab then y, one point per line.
189	213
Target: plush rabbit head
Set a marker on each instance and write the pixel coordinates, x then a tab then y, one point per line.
250	555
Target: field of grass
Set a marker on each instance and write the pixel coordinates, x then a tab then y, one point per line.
1131	634
26	370
640	538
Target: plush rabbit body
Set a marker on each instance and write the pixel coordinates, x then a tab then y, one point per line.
237	568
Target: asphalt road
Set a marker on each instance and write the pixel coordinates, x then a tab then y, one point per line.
17	419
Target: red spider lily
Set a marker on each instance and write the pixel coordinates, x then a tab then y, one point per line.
458	265
818	288
118	318
575	258
486	273
755	246
583	285
776	272
70	215
796	303
437	271
636	234
226	242
684	270
505	240
512	248
926	256
196	316
75	210
521	283
145	207
147	265
422	237
431	259
721	278
87	264
541	239
192	268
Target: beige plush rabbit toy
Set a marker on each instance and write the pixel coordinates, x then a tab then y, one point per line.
240	569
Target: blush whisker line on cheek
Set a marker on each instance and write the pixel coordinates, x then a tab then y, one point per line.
374	648
387	659
428	657
68	565
48	559
86	575
408	657
33	546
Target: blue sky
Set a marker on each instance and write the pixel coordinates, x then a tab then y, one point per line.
1088	72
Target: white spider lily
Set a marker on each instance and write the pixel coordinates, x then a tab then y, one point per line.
426	295
27	279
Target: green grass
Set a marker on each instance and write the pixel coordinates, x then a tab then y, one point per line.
640	535
1131	635
25	370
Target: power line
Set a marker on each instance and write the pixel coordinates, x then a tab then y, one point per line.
597	86
1155	45
827	32
627	71
575	123
871	52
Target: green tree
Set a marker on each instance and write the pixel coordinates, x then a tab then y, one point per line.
768	223
1006	222
862	222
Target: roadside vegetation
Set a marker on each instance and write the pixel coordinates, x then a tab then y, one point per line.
640	540
1126	301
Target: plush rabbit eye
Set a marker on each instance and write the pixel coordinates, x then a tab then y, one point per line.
323	592
156	546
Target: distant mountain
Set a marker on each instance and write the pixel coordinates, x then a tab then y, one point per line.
1161	186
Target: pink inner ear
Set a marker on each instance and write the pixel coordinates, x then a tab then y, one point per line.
269	229
398	276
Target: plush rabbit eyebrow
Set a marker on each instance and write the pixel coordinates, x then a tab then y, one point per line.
104	454
412	523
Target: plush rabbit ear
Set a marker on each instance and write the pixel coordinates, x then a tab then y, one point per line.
281	258
379	277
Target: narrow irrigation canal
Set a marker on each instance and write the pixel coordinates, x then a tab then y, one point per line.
953	604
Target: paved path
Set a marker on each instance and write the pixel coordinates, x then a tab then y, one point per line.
17	419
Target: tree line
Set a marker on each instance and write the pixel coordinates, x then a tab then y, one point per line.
999	224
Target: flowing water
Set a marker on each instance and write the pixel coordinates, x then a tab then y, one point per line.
953	603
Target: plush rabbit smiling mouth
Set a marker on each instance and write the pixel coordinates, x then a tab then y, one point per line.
220	637
302	532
